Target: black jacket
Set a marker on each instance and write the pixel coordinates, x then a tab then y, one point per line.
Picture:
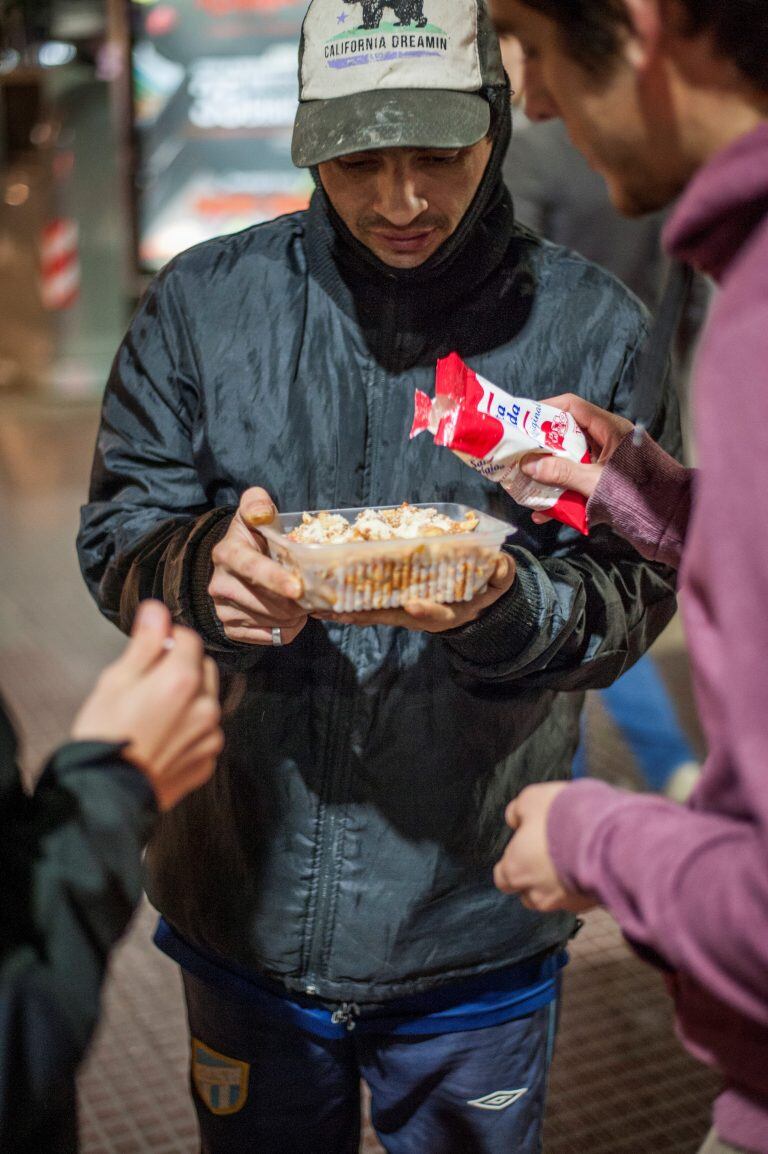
71	879
345	846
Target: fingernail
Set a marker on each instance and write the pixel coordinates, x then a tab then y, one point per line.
263	515
294	587
531	468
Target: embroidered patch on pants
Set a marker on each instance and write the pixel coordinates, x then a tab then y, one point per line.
499	1100
221	1082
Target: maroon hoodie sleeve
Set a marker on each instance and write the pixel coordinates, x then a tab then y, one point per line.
689	886
645	497
691	883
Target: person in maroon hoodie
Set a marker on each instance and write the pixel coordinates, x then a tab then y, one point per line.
669	98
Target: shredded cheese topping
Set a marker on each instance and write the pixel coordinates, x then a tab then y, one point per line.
379	525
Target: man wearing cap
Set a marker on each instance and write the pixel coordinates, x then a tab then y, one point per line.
330	896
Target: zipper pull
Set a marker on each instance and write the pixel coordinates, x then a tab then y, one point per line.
346	1014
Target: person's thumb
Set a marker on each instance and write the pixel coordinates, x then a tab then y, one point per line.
257	508
563	473
504	573
149	635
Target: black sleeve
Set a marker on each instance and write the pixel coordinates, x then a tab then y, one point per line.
71	869
148	528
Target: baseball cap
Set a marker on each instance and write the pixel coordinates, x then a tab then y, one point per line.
404	75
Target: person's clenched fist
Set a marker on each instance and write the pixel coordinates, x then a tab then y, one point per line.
526	867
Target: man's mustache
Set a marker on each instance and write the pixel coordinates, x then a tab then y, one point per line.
421	224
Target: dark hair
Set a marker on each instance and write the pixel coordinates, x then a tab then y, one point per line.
593	29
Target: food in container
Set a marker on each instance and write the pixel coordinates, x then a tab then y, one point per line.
400	522
354	560
492	432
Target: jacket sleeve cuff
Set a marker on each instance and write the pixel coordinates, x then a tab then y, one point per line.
204	616
109	771
644	495
198	606
508	626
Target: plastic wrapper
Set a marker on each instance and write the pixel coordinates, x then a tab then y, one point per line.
492	431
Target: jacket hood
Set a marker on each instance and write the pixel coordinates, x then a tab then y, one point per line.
470	252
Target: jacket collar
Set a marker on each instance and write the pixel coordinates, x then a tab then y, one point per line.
360	287
722	206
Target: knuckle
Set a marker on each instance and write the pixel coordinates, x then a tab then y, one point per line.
208	712
192	639
504	882
220	552
560	471
184	682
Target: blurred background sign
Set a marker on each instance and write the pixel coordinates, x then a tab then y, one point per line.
213	95
129	130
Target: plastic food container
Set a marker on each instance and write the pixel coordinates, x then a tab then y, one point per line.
355	576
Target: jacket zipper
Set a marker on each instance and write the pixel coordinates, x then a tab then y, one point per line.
330	820
327	825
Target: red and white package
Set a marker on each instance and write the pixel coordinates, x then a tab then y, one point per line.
492	431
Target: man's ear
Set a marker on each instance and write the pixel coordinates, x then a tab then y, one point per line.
643	42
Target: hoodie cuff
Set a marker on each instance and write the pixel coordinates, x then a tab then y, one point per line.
573	817
508	626
644	495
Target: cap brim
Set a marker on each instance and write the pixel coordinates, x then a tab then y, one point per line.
387	118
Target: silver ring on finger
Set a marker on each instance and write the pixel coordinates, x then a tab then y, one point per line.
277	636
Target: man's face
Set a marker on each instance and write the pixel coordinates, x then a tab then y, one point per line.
403	203
620	120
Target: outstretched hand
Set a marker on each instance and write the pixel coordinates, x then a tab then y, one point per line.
526	867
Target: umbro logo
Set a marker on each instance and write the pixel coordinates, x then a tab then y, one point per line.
499	1100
